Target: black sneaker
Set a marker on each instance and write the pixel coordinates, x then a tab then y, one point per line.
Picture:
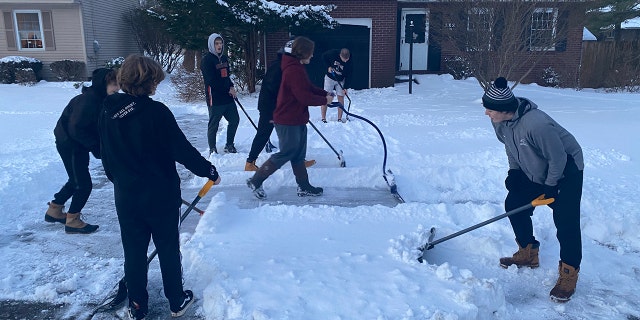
230	148
310	191
212	151
136	312
188	301
258	192
324	120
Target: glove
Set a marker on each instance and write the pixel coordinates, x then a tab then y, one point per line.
550	191
514	179
213	174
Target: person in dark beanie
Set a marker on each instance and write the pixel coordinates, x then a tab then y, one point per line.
290	119
544	158
76	134
266	105
220	94
141	143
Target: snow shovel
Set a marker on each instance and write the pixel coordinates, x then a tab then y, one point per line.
539	201
269	147
115	299
340	155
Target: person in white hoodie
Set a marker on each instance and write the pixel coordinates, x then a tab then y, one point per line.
220	94
544	159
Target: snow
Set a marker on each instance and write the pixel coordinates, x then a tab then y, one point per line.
329	261
631	23
587	35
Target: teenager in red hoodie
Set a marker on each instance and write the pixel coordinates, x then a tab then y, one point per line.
290	119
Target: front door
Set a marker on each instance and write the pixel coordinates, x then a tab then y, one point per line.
416	20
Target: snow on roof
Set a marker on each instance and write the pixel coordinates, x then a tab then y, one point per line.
18	59
587	35
631	23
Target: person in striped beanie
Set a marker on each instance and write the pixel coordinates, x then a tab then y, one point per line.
544	159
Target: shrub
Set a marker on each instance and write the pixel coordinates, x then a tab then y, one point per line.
25	76
459	67
189	85
114	63
9	65
69	70
551	78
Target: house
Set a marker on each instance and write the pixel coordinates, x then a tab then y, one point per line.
376	32
91	31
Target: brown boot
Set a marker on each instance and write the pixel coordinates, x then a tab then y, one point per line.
251	166
525	257
309	163
55	214
566	285
75	225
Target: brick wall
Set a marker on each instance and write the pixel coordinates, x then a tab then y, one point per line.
383	14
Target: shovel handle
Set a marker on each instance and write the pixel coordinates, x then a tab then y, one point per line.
542	201
205	188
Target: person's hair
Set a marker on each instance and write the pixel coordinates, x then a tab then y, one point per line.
345	53
111	77
139	75
302	48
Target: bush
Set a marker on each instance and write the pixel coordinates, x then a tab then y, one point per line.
189	85
25	76
459	67
9	65
69	70
114	63
550	78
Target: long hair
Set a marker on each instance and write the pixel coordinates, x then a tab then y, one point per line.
139	76
302	48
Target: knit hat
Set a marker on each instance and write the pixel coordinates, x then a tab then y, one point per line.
499	97
288	46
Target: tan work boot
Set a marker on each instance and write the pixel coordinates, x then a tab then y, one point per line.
75	225
525	257
251	166
309	163
566	285
55	214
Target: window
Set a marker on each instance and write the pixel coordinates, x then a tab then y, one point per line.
479	28
28	26
543	29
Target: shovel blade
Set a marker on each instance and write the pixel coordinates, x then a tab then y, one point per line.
428	245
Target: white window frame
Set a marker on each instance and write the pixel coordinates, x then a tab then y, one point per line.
553	28
488	27
17	30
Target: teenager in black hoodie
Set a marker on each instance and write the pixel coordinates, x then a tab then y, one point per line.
141	143
76	135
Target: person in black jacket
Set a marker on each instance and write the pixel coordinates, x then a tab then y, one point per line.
141	143
220	93
76	134
338	62
266	104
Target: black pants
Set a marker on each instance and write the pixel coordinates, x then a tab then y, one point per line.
79	185
137	226
566	213
265	128
229	112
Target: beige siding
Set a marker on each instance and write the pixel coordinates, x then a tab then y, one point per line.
105	22
68	38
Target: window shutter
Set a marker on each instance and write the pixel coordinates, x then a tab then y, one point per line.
10	34
47	29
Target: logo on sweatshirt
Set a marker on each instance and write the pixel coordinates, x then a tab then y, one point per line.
523	142
124	111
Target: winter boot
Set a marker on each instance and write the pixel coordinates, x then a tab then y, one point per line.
55	213
182	308
230	148
75	225
566	285
136	312
255	182
309	163
525	257
302	178
213	150
251	166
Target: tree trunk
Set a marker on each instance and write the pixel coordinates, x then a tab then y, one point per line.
189	62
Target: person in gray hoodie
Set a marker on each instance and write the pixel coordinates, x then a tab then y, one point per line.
220	93
544	159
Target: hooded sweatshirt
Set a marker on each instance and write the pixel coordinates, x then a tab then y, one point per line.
296	94
78	124
141	143
537	145
216	74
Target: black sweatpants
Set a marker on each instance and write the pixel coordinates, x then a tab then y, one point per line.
228	111
566	213
137	226
79	185
265	128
